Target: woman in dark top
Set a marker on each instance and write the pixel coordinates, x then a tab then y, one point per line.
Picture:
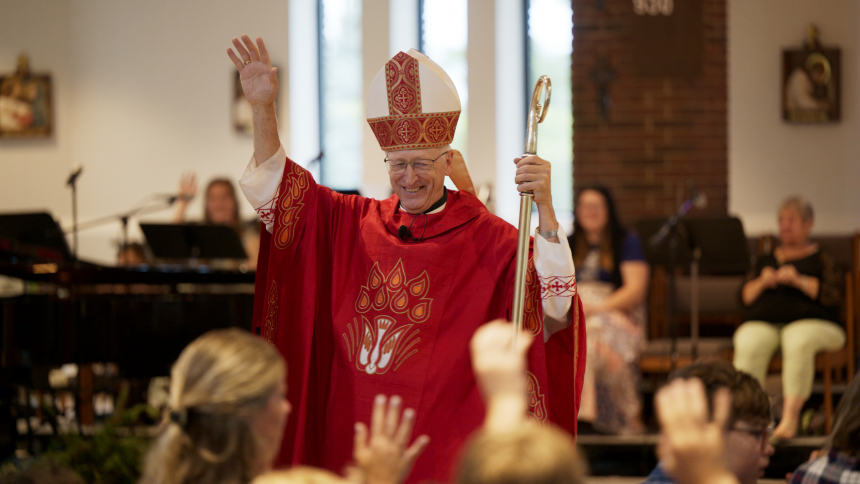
612	281
793	298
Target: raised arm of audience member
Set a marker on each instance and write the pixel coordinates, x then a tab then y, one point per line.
500	369
495	455
382	454
187	192
692	446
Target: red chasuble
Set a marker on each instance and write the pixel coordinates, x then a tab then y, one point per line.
357	311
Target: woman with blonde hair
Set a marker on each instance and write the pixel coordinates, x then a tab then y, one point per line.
228	409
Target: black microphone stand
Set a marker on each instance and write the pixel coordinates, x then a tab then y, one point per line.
670	232
123	218
73	183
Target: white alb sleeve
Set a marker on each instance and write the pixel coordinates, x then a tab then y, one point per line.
556	275
260	184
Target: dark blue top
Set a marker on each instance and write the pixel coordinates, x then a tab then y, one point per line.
658	476
631	250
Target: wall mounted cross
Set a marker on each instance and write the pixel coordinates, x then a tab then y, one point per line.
602	76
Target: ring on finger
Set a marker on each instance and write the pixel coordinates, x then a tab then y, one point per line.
247	62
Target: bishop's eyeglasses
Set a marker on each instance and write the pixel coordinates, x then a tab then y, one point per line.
422	165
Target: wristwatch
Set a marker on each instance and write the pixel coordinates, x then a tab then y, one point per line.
547	235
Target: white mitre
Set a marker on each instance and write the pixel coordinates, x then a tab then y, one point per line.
412	104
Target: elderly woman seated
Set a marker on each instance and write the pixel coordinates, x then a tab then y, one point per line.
792	297
612	279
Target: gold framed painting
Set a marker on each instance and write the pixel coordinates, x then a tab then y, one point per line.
26	103
811	83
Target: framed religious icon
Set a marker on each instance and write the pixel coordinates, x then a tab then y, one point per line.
26	105
811	82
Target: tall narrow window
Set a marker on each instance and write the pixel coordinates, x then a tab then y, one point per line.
341	93
444	36
550	44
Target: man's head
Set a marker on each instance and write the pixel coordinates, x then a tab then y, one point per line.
529	454
418	176
412	109
747	448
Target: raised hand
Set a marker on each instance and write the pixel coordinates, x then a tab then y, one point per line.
259	78
533	175
500	369
383	457
692	445
187	186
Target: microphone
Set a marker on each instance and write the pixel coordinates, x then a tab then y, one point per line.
170	198
403	232
697	199
73	176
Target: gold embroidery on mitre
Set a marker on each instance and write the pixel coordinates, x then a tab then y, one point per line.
537	400
403	85
414	131
378	343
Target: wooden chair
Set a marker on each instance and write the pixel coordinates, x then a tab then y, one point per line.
838	365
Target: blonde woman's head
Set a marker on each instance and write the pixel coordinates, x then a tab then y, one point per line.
228	409
300	475
529	454
795	220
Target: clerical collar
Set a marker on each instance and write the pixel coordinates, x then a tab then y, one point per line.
436	206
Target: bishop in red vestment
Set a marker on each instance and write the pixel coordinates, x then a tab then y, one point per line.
365	296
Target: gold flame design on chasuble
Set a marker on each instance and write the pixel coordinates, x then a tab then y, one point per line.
537	400
532	320
290	205
270	320
390	308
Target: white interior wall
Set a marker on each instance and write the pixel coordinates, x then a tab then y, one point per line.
33	171
377	42
142	91
770	159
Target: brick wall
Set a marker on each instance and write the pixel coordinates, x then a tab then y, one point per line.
658	131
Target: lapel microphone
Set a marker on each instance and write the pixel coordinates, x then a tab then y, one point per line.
403	232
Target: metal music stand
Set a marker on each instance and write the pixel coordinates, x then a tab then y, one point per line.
716	246
36	230
191	241
719	247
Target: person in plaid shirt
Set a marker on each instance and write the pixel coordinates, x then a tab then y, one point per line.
840	465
